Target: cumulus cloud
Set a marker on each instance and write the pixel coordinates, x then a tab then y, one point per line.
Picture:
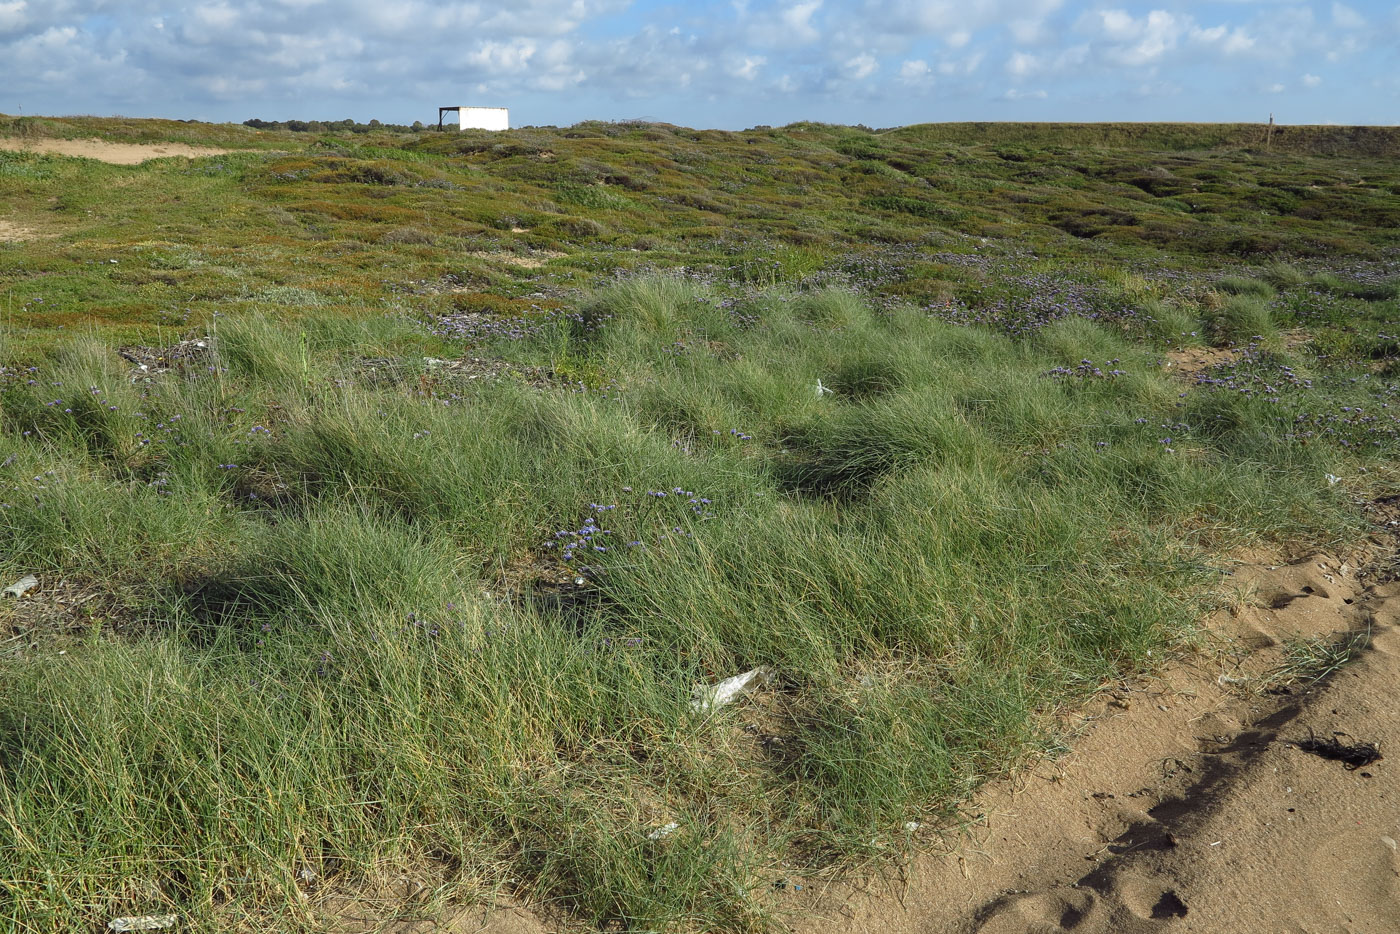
915	72
1347	18
13	16
747	67
1024	64
781	25
942	17
860	67
1311	81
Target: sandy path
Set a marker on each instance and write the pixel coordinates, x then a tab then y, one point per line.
118	153
1188	805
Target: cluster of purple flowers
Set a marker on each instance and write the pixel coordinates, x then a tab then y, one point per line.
587	538
1022	302
168	432
592	539
1253	372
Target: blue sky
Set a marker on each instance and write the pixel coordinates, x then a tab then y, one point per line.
707	64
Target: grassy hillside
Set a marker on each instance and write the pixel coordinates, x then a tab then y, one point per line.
391	495
364	222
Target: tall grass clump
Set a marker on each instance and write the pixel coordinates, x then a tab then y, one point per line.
1243	319
1285	276
1168	323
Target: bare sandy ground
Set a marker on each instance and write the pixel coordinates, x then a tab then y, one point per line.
11	232
1188	803
118	153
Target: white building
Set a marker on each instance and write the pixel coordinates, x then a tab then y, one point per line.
478	118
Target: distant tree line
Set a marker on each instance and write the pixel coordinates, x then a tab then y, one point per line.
340	126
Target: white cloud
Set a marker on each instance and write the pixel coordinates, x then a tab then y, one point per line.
915	71
1311	81
13	15
1276	89
497	57
1118	24
1347	18
747	67
861	66
798	18
1237	42
1155	36
783	26
1016	94
961	66
952	19
1021	64
1024	64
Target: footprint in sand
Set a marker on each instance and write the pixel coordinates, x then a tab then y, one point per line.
1053	912
1149	900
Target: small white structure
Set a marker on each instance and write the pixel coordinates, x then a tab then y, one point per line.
478	118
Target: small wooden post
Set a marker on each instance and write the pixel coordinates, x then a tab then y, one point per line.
1269	135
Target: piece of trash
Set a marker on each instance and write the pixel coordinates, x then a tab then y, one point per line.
22	586
664	831
1333	479
865	681
822	390
708	698
306	874
144	923
1390	842
911	826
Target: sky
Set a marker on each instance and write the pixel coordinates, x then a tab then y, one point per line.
731	64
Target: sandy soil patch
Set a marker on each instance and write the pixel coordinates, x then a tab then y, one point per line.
117	153
1190	362
531	261
11	232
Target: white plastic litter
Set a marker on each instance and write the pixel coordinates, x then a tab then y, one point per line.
22	586
144	923
822	390
912	826
1333	479
728	690
664	831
